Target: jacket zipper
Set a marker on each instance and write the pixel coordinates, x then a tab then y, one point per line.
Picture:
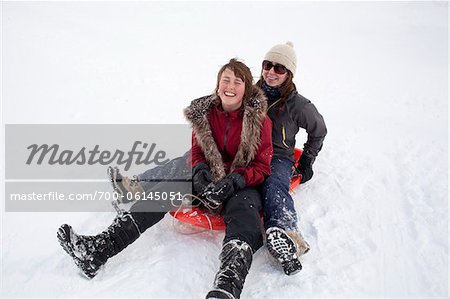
273	104
283	134
283	131
227	129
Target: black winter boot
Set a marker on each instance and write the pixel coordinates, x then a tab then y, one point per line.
235	260
282	247
91	252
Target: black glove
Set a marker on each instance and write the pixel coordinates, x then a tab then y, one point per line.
304	168
226	187
201	178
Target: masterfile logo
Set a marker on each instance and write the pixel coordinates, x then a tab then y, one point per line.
62	167
54	155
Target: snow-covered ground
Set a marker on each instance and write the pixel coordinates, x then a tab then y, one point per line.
376	211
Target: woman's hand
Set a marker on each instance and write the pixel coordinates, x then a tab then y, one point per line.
226	187
201	178
304	168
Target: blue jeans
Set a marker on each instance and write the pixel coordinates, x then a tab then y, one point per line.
278	205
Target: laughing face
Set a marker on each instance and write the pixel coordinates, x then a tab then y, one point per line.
231	90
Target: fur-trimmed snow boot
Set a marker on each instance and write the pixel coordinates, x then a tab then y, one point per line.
302	246
127	189
286	247
235	261
91	252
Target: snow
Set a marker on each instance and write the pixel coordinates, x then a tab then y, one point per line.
375	212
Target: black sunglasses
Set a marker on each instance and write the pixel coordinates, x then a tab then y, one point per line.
278	68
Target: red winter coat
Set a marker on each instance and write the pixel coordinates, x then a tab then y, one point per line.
221	136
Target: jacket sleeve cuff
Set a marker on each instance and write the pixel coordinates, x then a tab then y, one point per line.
198	167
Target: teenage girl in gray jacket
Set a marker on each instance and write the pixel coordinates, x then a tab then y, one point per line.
289	112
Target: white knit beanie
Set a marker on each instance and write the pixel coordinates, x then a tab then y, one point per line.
283	54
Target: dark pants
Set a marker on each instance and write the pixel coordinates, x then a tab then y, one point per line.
241	217
148	213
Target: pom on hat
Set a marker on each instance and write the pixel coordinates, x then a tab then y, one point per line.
283	54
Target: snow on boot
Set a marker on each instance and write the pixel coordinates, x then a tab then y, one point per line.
91	252
235	261
127	189
283	248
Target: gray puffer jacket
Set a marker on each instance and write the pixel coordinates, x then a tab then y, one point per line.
298	113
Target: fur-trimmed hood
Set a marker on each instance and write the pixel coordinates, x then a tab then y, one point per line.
254	114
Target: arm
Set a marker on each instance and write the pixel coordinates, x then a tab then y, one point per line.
201	174
308	118
197	154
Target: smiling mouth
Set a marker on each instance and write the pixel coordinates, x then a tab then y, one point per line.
272	78
229	94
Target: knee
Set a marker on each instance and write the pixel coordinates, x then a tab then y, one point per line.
246	201
274	186
274	177
277	179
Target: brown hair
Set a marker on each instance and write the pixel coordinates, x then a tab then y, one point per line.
287	87
241	71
